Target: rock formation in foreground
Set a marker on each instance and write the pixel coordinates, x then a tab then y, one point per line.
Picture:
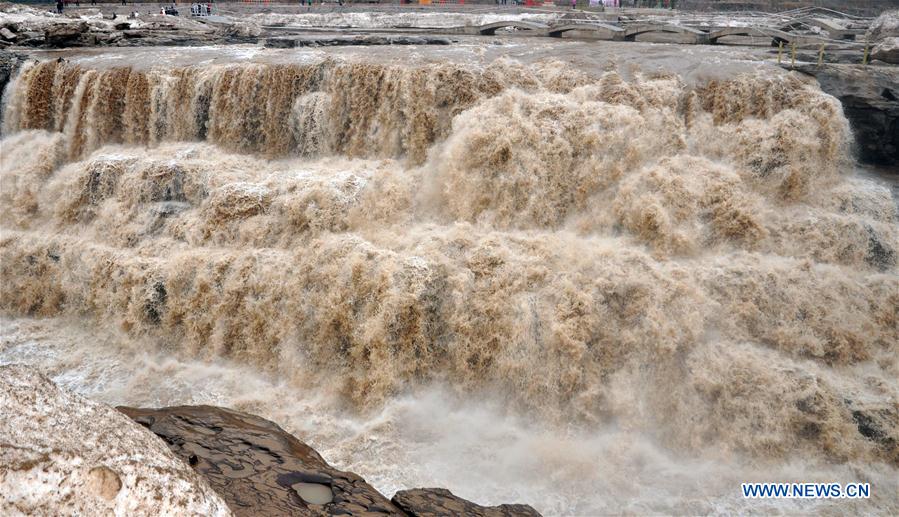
433	502
260	469
61	454
256	466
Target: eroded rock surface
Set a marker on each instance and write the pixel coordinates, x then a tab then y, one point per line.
870	98
25	26
257	467
9	63
68	35
886	25
434	502
61	454
887	50
260	469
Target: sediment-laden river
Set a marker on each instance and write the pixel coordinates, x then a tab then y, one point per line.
593	289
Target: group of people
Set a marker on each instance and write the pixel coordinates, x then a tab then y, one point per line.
195	10
201	9
309	2
519	2
61	4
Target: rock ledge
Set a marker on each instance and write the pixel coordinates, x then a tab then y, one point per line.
260	469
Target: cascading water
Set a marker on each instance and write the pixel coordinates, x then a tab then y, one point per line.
693	265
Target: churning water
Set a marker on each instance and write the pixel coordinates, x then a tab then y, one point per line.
588	292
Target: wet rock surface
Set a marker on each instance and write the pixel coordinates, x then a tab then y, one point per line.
434	502
257	467
870	99
260	469
880	426
61	454
9	64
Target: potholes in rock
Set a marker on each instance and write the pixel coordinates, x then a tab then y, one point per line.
313	493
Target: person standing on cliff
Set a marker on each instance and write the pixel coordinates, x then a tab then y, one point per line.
59	6
574	4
